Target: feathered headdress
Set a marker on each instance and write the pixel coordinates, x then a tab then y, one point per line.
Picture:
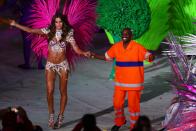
40	15
81	15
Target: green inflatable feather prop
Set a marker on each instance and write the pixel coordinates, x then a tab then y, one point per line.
159	24
114	15
181	14
110	37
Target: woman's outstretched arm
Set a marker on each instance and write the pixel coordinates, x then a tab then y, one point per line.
71	40
21	27
79	51
25	28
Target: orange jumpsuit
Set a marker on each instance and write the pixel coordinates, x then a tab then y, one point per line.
129	77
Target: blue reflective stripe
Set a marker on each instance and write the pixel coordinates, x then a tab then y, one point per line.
125	64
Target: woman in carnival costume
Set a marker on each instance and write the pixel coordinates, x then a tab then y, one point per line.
61	39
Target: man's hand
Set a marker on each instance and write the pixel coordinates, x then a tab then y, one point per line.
151	58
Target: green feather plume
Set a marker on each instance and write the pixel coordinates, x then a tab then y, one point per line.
158	28
181	14
114	15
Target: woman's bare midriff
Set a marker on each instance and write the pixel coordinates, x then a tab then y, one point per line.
56	57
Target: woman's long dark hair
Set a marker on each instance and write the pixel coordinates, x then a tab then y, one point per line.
66	27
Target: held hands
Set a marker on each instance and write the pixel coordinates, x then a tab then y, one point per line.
87	54
92	55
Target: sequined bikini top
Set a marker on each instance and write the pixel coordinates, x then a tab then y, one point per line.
59	46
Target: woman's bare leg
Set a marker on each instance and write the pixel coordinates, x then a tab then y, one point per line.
63	91
50	81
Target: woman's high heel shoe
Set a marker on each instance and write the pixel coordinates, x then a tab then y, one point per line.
51	121
59	121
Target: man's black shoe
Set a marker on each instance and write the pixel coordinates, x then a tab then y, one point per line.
115	128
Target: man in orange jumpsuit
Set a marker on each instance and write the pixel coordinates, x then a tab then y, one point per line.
129	76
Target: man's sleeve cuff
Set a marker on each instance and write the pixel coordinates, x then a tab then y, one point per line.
107	57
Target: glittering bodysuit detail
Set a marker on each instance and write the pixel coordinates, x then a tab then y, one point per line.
57	67
58	46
